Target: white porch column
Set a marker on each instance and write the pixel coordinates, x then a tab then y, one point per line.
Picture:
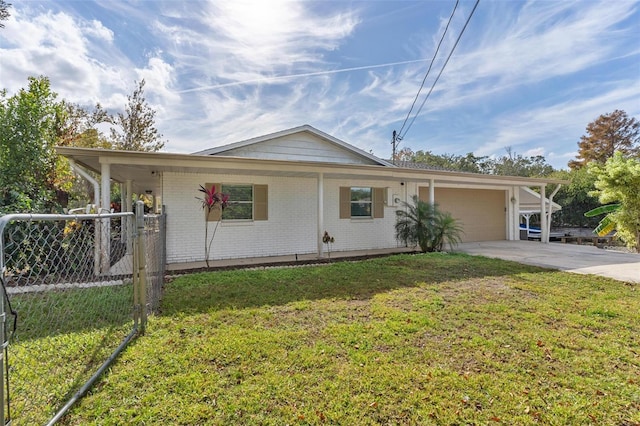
432	191
544	234
550	212
105	172
527	217
320	213
127	205
514	213
128	202
105	225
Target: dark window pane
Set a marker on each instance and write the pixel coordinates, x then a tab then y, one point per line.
238	192
361	209
236	211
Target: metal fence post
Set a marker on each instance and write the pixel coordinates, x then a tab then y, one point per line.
141	271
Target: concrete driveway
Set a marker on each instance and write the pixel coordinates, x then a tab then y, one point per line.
565	257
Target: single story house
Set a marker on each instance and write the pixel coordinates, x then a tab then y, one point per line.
289	187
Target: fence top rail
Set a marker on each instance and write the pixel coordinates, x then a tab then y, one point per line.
4	220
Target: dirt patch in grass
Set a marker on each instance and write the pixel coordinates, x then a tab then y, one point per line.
486	290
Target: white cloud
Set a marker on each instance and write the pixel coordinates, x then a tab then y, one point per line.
559	124
63	49
221	71
159	77
241	41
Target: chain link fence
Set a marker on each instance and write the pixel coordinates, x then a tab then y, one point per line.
155	254
77	291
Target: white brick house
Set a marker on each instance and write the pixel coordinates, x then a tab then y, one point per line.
294	185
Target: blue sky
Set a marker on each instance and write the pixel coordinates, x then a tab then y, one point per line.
529	75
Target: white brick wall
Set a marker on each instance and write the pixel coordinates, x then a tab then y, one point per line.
292	224
358	234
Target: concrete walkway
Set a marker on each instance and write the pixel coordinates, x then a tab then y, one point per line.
566	257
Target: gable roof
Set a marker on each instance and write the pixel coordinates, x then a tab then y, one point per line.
302	143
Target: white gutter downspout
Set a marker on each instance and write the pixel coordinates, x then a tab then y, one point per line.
105	243
96	202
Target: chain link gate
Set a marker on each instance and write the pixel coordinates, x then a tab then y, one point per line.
76	290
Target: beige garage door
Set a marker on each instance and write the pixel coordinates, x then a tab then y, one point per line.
481	211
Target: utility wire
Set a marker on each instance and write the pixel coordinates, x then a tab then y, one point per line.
442	69
430	66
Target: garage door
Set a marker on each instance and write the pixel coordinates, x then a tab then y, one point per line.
482	212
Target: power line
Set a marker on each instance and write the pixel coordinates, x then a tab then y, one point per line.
430	65
442	69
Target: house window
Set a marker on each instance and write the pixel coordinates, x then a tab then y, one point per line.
240	202
246	202
361	202
358	202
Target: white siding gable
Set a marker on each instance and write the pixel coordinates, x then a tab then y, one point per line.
301	146
304	143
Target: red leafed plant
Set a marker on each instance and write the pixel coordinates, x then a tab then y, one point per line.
210	201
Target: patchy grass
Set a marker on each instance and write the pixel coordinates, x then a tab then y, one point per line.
424	339
61	339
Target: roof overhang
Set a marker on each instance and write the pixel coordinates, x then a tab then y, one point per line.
144	168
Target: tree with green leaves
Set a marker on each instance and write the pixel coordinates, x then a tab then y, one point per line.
32	176
514	164
4	12
79	127
425	225
606	135
618	181
134	130
511	164
575	199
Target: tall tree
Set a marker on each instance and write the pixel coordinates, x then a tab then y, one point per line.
4	12
618	181
134	130
79	127
606	135
29	129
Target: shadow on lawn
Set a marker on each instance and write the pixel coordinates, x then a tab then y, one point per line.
203	292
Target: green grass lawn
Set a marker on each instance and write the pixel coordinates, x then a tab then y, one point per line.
406	340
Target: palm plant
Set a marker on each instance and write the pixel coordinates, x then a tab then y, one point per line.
423	224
